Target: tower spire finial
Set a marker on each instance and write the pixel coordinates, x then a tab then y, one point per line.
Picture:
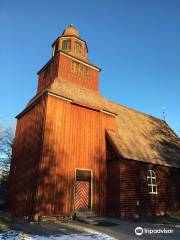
163	113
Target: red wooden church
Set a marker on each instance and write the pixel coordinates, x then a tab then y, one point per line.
74	149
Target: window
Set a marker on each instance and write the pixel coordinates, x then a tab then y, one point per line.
151	181
66	45
78	47
79	69
86	71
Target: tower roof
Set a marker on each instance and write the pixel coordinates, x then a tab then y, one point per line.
70	31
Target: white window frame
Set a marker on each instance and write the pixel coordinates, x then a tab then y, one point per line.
151	175
78	48
64	45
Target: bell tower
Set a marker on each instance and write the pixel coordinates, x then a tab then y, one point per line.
69	62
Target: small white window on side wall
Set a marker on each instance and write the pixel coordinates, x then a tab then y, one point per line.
151	181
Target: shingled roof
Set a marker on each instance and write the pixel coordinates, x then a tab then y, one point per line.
144	138
138	137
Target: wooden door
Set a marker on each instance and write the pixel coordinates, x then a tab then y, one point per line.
83	190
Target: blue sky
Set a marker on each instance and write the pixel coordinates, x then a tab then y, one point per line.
136	43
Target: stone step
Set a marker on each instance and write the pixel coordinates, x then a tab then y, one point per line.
54	219
88	214
91	221
88	217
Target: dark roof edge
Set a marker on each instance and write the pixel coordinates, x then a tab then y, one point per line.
148	162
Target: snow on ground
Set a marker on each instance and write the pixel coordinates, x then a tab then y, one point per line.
15	235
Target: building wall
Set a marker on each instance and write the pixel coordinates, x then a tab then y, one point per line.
53	139
65	71
20	196
74	138
130	187
49	73
62	67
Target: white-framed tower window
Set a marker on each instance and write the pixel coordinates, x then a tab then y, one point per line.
66	45
78	47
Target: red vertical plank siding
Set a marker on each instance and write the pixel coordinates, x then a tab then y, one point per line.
43	82
25	160
127	184
65	72
107	122
74	137
61	67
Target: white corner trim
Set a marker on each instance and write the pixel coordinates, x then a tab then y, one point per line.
109	113
61	97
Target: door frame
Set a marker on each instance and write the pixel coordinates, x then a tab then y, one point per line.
91	191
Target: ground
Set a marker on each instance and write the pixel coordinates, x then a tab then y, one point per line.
108	229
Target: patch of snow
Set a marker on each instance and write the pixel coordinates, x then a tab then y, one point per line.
15	235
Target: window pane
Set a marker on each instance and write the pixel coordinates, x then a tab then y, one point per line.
153	174
85	71
66	44
154	189
149	180
153	181
148	173
150	189
76	67
81	70
78	47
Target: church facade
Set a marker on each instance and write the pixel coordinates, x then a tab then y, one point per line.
75	150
